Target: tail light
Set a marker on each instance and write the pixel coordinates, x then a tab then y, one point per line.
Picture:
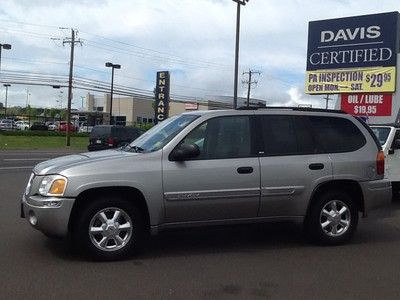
110	142
380	163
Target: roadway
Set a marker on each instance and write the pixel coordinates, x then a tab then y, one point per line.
270	261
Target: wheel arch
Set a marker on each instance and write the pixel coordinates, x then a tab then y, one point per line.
350	187
130	194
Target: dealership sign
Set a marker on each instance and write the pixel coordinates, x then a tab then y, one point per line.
162	96
376	79
367	104
356	54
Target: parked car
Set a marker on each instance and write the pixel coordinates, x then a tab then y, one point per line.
84	128
111	136
51	126
38	126
320	167
7	124
62	126
22	125
389	138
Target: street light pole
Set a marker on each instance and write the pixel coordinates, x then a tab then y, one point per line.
235	83
5	104
112	66
5	47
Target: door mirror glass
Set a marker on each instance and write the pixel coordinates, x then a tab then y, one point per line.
184	152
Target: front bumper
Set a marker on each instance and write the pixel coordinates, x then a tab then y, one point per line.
49	215
376	193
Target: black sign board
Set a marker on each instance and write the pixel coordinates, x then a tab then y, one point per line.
162	96
353	42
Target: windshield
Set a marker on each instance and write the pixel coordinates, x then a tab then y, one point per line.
381	133
158	136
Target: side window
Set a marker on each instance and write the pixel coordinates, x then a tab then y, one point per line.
278	135
286	135
222	137
336	134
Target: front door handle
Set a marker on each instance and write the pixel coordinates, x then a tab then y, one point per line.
317	166
245	170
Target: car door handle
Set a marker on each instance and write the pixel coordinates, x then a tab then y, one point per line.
316	166
245	170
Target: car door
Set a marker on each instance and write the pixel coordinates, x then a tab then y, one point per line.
223	182
291	165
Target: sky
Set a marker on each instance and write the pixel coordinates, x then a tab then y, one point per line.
193	39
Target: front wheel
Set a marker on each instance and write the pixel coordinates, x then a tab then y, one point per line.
332	219
109	229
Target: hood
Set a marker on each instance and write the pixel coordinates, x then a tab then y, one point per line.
57	165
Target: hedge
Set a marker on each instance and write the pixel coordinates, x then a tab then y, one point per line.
40	133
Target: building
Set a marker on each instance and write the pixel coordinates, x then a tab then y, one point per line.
140	109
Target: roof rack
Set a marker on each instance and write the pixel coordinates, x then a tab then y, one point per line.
294	108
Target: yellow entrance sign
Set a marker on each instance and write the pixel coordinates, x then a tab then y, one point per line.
358	80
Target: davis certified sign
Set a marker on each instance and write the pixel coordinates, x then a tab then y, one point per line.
367	104
162	96
353	55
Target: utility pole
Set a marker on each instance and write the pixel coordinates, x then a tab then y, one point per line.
249	83
327	100
71	41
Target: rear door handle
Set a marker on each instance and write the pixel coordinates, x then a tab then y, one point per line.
245	170
316	166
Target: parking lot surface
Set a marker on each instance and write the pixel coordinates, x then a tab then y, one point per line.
268	261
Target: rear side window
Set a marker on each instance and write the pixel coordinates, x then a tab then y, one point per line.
286	135
337	134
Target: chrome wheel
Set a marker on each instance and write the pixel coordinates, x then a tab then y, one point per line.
335	218
110	229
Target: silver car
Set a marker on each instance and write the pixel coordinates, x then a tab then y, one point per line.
322	168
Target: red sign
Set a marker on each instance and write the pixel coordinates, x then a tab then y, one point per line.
191	106
367	104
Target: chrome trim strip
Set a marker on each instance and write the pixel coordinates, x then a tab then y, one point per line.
212	194
281	191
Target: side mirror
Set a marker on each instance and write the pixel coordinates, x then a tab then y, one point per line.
184	152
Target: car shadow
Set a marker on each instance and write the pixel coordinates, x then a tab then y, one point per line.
380	226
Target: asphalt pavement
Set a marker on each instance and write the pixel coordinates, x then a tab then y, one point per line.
269	261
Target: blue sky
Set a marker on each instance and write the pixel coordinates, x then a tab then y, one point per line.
194	39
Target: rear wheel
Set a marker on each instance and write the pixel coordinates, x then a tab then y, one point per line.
109	228
332	219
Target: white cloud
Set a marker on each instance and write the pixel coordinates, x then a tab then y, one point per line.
194	39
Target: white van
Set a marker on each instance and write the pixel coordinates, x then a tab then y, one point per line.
389	138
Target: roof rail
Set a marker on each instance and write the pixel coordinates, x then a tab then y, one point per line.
294	108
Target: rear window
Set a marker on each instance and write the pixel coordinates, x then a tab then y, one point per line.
100	131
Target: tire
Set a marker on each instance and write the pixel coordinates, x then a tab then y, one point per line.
109	228
332	219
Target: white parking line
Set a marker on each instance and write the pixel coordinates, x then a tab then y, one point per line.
14	168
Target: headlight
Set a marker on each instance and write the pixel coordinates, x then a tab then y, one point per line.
53	185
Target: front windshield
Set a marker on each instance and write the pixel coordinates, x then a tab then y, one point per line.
381	133
158	136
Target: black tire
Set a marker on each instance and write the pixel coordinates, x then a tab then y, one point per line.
129	213
317	218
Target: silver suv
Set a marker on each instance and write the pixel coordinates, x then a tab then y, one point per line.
214	167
